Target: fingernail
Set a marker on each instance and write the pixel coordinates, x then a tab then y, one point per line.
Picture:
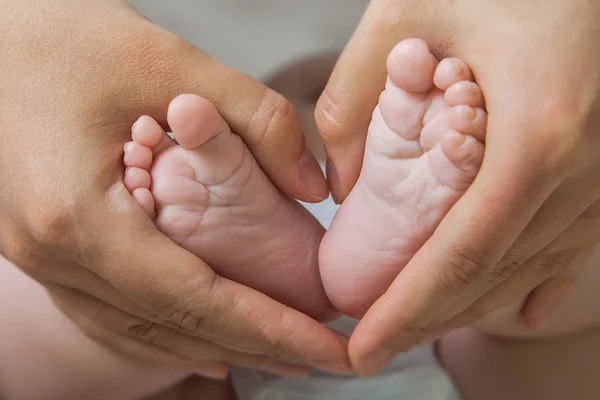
375	362
287	370
217	371
469	112
312	177
459	138
461	68
335	183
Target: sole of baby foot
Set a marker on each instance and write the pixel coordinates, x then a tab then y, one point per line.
424	148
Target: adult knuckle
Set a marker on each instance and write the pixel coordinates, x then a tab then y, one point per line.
270	120
52	226
553	263
464	270
405	323
204	319
260	336
506	267
275	348
145	331
276	345
187	321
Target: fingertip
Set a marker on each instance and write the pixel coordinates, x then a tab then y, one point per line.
276	139
334	182
343	167
312	178
216	371
342	116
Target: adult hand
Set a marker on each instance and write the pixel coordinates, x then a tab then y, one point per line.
74	76
539	67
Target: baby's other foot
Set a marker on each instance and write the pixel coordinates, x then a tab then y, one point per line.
424	149
209	195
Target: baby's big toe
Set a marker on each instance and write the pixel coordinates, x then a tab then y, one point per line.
194	120
411	66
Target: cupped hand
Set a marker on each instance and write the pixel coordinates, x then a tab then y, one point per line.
538	65
74	76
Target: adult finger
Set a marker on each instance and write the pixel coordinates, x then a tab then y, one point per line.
95	306
555	234
63	299
151	341
344	109
175	285
549	295
545	298
559	263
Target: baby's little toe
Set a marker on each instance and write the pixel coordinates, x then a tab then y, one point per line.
137	155
451	71
468	121
136	178
466	155
464	93
147	132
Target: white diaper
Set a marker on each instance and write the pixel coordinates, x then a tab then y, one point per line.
412	376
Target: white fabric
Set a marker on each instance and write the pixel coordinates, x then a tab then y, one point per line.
414	376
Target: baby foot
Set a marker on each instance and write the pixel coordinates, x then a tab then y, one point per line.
209	195
424	149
